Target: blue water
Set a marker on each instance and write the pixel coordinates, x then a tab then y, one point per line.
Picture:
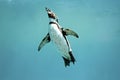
24	23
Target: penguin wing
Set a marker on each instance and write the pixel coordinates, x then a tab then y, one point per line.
45	40
69	32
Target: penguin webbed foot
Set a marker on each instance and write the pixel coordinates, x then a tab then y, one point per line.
72	57
66	62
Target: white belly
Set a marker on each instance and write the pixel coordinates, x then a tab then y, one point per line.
57	38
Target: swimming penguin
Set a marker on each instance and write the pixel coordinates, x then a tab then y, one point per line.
57	35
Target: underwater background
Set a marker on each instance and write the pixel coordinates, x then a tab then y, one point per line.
24	23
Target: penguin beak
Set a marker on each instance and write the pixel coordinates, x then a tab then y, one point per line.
51	14
48	10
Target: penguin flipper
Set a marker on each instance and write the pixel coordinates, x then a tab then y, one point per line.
45	40
69	32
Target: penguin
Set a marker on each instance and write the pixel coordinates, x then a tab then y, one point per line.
58	36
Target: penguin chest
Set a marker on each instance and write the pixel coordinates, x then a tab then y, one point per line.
58	38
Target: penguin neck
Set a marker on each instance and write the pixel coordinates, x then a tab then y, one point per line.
52	20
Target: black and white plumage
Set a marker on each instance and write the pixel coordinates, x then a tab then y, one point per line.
57	35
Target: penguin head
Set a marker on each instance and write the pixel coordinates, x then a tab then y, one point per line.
51	15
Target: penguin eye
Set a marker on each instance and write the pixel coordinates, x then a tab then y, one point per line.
51	15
